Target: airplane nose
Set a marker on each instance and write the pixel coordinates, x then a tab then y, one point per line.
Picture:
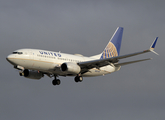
8	58
11	59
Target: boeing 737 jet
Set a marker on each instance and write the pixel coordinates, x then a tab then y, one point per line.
35	63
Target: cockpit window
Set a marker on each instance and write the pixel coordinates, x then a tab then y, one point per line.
15	52
18	53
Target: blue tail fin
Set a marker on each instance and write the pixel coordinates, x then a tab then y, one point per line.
113	47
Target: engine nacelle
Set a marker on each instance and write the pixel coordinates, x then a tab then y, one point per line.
31	74
70	68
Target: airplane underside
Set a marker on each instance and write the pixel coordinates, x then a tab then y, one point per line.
30	71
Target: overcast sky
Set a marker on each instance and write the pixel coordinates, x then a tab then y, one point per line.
136	92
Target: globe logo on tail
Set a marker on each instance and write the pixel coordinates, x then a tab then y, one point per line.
109	51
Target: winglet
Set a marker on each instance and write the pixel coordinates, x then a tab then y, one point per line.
153	46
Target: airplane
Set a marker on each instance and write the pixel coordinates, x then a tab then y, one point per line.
35	63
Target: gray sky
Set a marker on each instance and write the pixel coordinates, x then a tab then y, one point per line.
136	92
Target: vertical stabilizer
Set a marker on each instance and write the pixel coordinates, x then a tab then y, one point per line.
113	47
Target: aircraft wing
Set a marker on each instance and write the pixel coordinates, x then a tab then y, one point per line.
85	66
130	62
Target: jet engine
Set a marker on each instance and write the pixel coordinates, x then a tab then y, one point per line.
71	68
31	74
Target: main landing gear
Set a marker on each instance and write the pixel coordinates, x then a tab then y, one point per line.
56	81
78	78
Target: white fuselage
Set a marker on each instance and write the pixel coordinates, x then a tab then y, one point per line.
50	62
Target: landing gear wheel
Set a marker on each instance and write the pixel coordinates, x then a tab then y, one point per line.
78	79
56	82
20	74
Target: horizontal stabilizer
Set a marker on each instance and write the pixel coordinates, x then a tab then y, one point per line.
126	63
